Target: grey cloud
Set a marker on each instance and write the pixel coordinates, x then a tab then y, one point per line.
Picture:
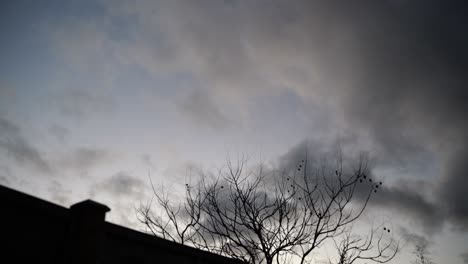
315	151
84	158
464	257
201	109
20	149
453	187
410	202
394	70
5	175
79	104
4	180
409	93
120	184
148	161
24	153
58	193
414	238
406	198
59	132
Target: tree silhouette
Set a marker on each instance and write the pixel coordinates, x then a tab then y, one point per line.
260	216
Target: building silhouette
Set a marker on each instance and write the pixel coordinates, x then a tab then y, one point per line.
37	231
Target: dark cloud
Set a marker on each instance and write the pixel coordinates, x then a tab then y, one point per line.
16	146
410	202
464	257
200	108
410	90
122	191
414	238
405	197
453	187
120	184
24	153
85	158
395	71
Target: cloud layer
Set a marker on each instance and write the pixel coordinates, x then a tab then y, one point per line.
388	77
394	72
16	146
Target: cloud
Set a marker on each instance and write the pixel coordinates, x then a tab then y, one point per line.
406	197
410	202
13	143
415	239
122	191
394	70
24	153
5	175
453	187
201	109
148	161
58	193
409	92
464	257
120	184
59	132
393	73
78	104
85	158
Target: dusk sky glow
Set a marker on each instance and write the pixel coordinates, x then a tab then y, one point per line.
97	95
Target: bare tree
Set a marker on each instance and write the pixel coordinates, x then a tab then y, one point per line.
266	217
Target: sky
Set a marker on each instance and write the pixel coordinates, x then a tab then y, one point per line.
96	97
